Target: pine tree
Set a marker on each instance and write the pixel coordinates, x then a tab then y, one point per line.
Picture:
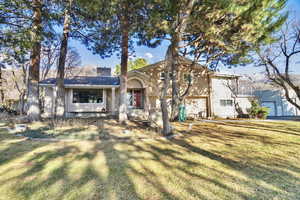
60	90
14	34
1	84
34	111
217	32
112	29
23	26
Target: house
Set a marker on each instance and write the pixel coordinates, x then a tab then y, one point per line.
99	95
271	96
274	99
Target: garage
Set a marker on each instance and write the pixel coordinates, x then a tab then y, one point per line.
272	107
196	107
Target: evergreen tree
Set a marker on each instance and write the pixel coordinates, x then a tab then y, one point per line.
14	34
24	25
34	111
1	84
112	29
223	32
60	90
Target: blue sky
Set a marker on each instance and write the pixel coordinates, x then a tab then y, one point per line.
88	58
156	54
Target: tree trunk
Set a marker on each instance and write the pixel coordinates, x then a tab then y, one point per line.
171	65
163	98
34	112
180	25
124	65
174	75
22	102
1	87
60	90
288	98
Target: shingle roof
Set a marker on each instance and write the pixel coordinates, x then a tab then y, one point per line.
85	80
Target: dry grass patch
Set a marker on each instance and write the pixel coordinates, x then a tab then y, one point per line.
89	129
224	160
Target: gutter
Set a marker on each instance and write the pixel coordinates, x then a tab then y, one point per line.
81	86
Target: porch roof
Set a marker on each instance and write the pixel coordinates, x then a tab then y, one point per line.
85	80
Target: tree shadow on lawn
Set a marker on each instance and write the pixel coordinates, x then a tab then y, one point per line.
272	172
164	169
278	127
104	130
80	133
216	133
15	146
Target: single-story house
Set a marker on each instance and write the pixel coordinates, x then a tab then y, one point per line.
99	95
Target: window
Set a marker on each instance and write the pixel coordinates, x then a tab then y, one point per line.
162	75
188	78
87	96
226	102
135	98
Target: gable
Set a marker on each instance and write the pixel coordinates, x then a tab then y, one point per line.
159	66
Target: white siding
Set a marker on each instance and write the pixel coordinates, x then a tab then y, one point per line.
48	100
84	107
221	92
244	103
196	107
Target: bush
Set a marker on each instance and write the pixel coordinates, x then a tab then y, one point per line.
6	109
256	111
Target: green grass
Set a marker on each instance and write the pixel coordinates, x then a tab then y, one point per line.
232	160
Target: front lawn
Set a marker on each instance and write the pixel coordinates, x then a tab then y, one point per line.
88	129
222	160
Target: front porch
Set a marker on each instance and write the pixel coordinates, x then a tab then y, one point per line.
98	100
86	100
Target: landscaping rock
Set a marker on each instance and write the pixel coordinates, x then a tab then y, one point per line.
18	128
126	132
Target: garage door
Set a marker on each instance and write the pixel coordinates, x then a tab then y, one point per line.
196	106
271	106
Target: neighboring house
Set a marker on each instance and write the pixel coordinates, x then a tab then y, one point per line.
275	100
87	96
271	96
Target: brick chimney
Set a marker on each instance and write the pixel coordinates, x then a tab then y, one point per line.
103	71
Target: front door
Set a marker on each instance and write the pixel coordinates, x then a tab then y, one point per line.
135	98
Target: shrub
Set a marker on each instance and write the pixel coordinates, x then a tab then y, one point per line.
7	109
256	111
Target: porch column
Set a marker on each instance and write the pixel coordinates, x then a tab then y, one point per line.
113	100
146	101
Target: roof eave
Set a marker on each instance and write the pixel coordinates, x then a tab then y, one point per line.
81	86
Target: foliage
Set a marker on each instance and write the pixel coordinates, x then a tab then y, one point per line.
229	31
7	109
213	34
16	23
113	27
256	111
223	33
132	65
102	31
